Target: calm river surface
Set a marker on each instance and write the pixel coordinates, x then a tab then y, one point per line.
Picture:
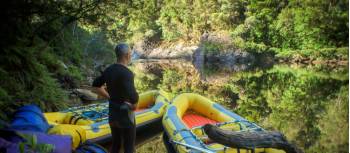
307	103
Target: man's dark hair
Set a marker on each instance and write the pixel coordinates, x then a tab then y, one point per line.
121	49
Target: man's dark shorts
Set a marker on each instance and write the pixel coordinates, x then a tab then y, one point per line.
121	115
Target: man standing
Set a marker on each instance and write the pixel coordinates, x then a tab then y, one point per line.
122	97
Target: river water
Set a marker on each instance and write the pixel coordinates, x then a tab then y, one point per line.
307	103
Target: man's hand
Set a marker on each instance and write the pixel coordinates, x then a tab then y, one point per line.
102	92
132	106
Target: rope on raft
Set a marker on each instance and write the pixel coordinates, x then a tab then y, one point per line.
80	111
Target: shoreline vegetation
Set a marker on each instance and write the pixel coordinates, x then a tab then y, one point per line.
325	56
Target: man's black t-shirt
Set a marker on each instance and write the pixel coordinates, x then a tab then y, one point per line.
120	84
120	87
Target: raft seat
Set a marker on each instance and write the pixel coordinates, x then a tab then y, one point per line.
192	120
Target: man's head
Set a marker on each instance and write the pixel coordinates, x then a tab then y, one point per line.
123	52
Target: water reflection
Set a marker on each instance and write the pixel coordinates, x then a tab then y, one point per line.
235	62
309	104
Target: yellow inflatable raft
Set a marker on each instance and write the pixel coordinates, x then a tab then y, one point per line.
91	122
188	113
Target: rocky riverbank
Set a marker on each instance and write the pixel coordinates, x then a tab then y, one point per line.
212	48
218	49
176	51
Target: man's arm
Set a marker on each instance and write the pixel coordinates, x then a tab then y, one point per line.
129	87
100	89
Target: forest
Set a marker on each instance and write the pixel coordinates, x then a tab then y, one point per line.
50	47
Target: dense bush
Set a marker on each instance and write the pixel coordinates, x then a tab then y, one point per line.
262	26
321	54
43	51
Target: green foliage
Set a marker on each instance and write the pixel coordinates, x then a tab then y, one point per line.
333	125
256	26
190	19
143	16
311	27
324	53
312	24
36	74
25	79
45	52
